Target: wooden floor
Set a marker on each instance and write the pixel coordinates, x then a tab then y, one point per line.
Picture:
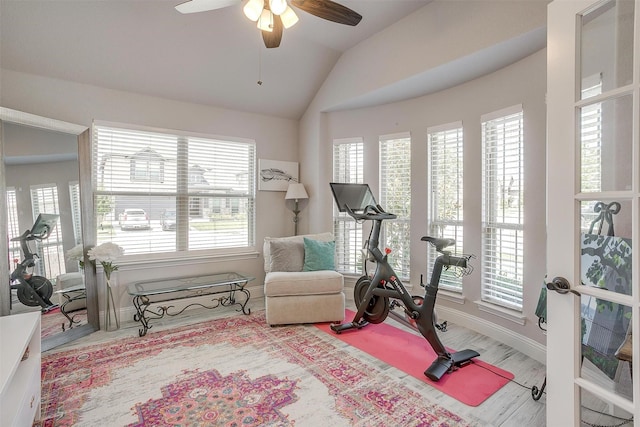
510	406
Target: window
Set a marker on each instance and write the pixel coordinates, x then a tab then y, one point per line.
348	167
44	199
591	141
590	147
13	228
445	196
208	182
74	195
395	197
503	208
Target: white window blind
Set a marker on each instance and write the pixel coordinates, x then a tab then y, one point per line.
590	147
503	208
44	199
74	196
13	228
198	193
348	167
445	195
395	197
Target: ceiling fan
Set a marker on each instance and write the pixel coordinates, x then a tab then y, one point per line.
273	16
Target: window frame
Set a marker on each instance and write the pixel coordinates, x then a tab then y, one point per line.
450	280
400	257
347	231
51	262
185	198
505	287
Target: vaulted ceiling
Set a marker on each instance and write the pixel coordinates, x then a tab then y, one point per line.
212	58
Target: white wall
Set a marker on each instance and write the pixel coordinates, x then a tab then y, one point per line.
438	46
276	138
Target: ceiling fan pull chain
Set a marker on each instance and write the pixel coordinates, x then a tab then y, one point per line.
259	65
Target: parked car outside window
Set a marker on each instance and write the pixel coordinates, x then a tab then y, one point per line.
134	219
168	219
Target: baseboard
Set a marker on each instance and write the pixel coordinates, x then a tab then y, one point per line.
527	346
256	300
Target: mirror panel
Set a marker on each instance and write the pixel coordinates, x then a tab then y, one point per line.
52	149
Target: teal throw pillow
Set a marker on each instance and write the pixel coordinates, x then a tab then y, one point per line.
319	255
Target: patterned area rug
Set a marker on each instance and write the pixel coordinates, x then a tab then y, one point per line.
235	371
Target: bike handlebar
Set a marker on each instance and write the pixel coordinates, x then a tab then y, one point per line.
456	261
371	212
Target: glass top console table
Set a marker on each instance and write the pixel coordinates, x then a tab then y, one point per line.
149	294
71	294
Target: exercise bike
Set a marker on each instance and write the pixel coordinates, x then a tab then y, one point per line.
33	290
372	295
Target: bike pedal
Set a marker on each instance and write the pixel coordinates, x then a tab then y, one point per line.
442	327
48	309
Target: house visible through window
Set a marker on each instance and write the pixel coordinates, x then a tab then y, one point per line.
503	208
163	192
445	195
348	167
395	197
147	165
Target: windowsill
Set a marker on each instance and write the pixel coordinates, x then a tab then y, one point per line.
505	313
187	258
451	296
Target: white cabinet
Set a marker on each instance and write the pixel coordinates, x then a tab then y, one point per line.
20	375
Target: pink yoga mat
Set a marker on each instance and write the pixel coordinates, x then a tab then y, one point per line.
471	384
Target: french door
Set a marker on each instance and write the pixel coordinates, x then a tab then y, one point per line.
593	212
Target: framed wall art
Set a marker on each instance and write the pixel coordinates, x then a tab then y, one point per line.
276	175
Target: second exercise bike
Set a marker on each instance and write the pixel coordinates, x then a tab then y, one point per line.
33	290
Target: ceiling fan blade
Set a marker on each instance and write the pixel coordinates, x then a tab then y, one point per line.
194	6
329	10
272	38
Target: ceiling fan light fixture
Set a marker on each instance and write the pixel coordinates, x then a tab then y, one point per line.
265	23
289	17
278	6
253	9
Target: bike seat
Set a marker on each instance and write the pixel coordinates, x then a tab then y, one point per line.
439	243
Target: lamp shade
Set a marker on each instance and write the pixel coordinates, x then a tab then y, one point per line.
296	191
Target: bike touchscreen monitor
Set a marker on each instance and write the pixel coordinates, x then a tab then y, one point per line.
45	223
356	196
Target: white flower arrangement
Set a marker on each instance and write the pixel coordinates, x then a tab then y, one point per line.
106	254
76	254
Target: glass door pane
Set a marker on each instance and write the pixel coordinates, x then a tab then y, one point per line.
607	46
606	144
606	159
